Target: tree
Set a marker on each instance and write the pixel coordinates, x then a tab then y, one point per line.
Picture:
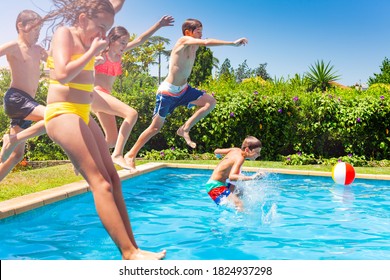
262	72
321	75
383	76
160	43
226	70
203	66
243	71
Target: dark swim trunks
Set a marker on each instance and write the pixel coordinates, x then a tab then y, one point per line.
18	105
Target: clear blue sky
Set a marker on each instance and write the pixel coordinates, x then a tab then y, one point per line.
289	35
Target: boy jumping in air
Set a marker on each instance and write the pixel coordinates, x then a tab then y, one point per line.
175	91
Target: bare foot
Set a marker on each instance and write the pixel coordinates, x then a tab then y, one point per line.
119	160
9	146
130	162
146	255
186	137
159	255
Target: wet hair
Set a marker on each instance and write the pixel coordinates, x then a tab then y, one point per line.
191	24
27	16
251	142
68	11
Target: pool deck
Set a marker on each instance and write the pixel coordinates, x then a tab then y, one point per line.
31	201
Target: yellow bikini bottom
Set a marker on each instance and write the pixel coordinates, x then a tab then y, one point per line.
59	108
84	87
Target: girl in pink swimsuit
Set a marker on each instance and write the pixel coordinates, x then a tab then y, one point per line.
107	107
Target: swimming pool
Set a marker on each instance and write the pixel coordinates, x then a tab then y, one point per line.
286	217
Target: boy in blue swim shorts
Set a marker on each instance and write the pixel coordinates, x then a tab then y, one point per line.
175	91
229	169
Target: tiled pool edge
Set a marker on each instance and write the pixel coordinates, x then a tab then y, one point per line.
31	201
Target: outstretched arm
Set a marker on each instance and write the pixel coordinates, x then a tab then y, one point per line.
164	21
187	40
117	4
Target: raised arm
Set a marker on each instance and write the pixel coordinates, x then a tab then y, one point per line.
164	21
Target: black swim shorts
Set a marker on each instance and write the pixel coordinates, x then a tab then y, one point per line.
18	105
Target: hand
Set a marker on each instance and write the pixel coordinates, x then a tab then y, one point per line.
100	59
166	21
258	175
98	44
241	42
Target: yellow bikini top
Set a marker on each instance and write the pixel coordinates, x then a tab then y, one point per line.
89	67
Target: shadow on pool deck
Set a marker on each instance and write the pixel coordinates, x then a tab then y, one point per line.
31	201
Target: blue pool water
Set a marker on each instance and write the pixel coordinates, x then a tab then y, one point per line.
286	217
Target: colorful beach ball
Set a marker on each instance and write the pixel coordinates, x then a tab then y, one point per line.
343	173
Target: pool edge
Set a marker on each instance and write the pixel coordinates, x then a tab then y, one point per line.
31	201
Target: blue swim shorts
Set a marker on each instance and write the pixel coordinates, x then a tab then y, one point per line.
169	97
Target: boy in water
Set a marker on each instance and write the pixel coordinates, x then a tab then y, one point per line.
24	57
229	168
175	91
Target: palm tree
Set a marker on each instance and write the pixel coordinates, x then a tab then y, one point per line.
321	75
159	42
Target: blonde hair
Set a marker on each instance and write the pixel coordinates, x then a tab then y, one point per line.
251	142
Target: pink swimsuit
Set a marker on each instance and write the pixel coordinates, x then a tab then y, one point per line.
109	68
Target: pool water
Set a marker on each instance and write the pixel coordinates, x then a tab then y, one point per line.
286	217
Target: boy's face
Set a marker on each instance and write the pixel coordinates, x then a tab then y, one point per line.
197	33
31	32
253	154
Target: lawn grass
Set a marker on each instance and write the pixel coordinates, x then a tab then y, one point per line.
26	182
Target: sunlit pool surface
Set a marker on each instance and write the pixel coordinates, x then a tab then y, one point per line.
286	217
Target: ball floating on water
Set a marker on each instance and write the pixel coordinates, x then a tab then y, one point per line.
343	173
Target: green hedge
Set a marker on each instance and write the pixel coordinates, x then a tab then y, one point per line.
287	119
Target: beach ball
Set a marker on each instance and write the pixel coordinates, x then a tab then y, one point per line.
343	173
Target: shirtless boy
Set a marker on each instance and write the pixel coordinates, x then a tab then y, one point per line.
229	168
175	91
24	57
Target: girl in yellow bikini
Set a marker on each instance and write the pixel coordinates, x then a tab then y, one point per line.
67	117
106	106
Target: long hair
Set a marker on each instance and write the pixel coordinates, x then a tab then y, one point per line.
67	12
115	33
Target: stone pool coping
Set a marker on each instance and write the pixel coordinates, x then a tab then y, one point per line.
31	201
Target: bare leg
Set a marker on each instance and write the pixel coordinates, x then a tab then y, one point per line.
145	136
15	157
10	141
207	104
106	108
85	146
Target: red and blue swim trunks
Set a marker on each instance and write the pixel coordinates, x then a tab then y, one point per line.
217	190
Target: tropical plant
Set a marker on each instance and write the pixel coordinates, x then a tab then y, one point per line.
320	75
160	43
